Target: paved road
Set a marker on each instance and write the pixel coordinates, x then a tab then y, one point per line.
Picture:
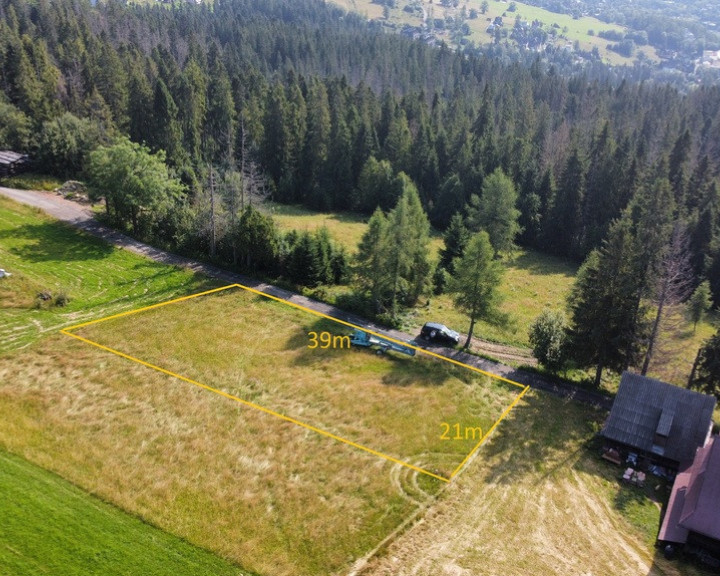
81	216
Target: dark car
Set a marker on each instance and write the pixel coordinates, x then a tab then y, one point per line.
439	333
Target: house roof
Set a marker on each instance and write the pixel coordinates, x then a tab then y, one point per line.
694	504
659	418
9	157
701	512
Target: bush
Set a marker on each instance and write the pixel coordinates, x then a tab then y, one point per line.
61	299
548	337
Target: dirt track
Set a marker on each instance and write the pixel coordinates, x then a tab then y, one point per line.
81	216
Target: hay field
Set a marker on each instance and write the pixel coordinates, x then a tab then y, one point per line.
259	350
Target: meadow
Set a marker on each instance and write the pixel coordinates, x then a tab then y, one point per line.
90	277
390	403
271	496
264	494
539	501
532	281
50	526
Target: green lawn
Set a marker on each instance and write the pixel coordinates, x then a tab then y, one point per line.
51	527
44	255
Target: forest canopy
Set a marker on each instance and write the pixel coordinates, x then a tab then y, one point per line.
306	103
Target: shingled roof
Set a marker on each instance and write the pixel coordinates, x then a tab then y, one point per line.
694	504
659	418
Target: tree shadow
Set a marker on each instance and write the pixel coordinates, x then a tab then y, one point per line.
398	370
541	264
540	435
55	242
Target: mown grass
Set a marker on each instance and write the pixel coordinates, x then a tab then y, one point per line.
268	495
51	527
271	496
538	500
392	404
44	255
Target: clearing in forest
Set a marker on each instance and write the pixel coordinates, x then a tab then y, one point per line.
298	365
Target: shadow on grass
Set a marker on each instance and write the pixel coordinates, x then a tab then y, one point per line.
541	265
397	370
55	242
541	435
680	565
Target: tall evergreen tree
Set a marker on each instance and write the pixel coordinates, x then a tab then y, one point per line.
706	372
495	211
475	283
603	302
370	266
561	229
456	238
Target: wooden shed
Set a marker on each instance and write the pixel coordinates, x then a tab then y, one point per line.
12	162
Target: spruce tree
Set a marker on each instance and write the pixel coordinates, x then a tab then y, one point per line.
603	303
495	211
455	238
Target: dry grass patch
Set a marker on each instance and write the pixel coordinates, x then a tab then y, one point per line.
268	495
257	350
537	501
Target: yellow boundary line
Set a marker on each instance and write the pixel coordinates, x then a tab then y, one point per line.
482	440
67	332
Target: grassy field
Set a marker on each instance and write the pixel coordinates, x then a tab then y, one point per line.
392	404
532	281
270	496
44	255
276	498
345	227
539	500
51	527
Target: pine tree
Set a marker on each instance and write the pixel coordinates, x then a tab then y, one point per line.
699	303
706	373
561	229
370	268
475	282
220	118
603	303
165	132
416	245
257	240
495	211
456	238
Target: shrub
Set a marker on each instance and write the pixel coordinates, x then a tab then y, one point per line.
548	337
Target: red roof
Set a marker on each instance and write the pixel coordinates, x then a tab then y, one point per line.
694	504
